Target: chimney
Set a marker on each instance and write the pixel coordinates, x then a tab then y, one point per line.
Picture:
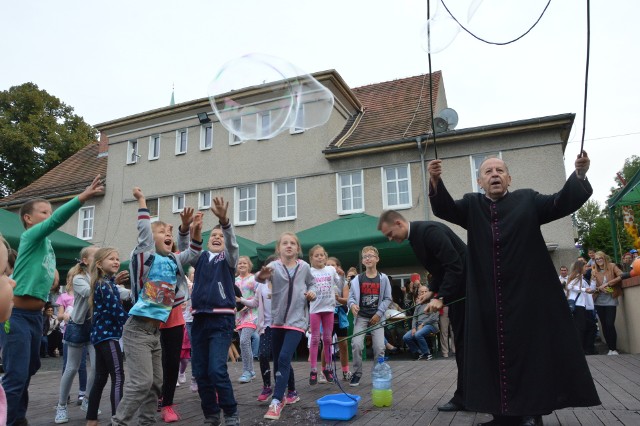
103	145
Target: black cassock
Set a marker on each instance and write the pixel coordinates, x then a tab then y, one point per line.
522	352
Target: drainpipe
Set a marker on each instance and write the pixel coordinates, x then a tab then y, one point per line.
424	178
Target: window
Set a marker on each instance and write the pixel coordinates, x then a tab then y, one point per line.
284	200
350	192
396	187
154	147
85	222
476	161
236	124
245	205
132	152
178	203
153	205
206	136
204	200
181	141
298	126
264	124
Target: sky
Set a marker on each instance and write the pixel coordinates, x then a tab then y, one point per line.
112	59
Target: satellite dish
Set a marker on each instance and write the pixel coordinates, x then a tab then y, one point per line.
447	119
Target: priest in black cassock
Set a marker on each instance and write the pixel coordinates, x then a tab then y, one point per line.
444	255
523	357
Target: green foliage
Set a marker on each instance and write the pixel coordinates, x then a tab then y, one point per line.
594	229
37	132
585	218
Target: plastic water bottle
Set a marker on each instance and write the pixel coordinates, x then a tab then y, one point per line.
381	394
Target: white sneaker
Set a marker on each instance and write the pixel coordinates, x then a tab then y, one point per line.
614	352
61	414
178	384
85	405
182	378
194	385
321	378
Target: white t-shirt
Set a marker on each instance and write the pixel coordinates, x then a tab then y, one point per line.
327	283
579	287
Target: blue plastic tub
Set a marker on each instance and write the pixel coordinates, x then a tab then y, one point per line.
338	406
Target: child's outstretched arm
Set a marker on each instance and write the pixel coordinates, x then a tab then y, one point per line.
193	251
219	209
145	235
186	217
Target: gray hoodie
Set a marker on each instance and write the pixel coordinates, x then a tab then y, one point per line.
385	294
289	307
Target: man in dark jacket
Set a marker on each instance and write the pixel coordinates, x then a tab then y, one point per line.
443	254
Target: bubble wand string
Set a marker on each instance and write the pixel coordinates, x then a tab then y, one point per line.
336	380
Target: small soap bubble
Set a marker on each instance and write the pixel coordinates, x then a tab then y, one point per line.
258	96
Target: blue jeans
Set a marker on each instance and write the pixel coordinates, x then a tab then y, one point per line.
212	336
418	342
284	343
255	344
21	358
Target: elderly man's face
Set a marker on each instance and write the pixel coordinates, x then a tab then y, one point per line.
494	178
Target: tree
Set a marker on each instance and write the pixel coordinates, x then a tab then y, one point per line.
37	132
594	229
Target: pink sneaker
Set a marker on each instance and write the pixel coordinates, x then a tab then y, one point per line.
292	397
169	415
265	394
274	411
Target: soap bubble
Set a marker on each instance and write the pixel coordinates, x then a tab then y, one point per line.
258	96
438	33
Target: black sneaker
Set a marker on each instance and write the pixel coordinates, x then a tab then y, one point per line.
328	375
313	378
355	379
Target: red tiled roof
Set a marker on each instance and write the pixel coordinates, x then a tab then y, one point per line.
67	179
393	110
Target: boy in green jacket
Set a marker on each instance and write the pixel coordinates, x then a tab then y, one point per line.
34	272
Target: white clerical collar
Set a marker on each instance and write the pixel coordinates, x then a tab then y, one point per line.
489	198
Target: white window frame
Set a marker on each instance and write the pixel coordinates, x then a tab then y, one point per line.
396	182
240	217
233	139
133	151
150	202
284	196
203	137
474	161
152	141
349	187
179	133
177	198
295	129
82	220
260	120
202	202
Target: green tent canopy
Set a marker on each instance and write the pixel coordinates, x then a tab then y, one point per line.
627	196
67	247
345	237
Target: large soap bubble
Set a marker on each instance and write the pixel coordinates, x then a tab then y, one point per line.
438	33
258	96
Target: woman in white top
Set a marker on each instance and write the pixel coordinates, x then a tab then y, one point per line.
580	290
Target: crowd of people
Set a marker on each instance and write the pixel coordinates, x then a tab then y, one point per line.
181	304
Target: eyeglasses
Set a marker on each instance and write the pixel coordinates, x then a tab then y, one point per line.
369	256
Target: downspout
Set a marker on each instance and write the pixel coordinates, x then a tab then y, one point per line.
614	233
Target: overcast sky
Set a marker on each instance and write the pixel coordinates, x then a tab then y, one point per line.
117	58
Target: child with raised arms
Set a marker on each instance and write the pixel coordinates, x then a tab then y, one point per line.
213	302
158	283
292	286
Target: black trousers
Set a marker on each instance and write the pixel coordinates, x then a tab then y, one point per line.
171	342
456	317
